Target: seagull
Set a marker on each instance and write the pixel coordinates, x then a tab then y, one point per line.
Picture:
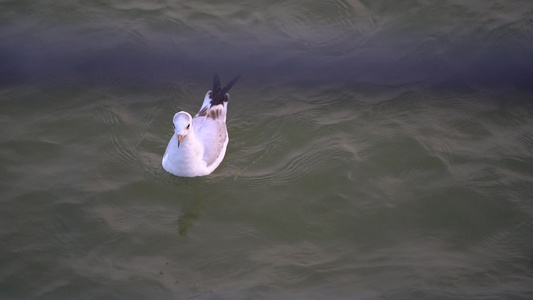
199	144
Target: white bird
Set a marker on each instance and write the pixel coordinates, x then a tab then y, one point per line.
198	144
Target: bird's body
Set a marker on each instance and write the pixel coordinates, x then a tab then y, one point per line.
199	144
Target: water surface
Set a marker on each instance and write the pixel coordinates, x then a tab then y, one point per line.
377	150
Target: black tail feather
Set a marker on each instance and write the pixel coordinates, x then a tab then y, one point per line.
218	94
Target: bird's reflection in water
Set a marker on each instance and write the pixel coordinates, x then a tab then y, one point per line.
190	216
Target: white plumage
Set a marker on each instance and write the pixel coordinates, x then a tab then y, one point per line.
199	144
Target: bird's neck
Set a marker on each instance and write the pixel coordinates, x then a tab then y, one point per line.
190	146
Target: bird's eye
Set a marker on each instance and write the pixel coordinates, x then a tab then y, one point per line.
188	125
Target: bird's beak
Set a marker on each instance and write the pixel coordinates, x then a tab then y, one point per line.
179	139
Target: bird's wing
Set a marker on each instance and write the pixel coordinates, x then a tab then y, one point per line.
210	129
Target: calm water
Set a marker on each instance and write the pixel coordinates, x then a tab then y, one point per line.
378	150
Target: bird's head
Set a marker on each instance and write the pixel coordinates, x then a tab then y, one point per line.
182	123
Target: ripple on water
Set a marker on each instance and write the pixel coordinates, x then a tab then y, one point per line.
283	166
124	145
508	244
118	150
144	6
292	140
323	24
